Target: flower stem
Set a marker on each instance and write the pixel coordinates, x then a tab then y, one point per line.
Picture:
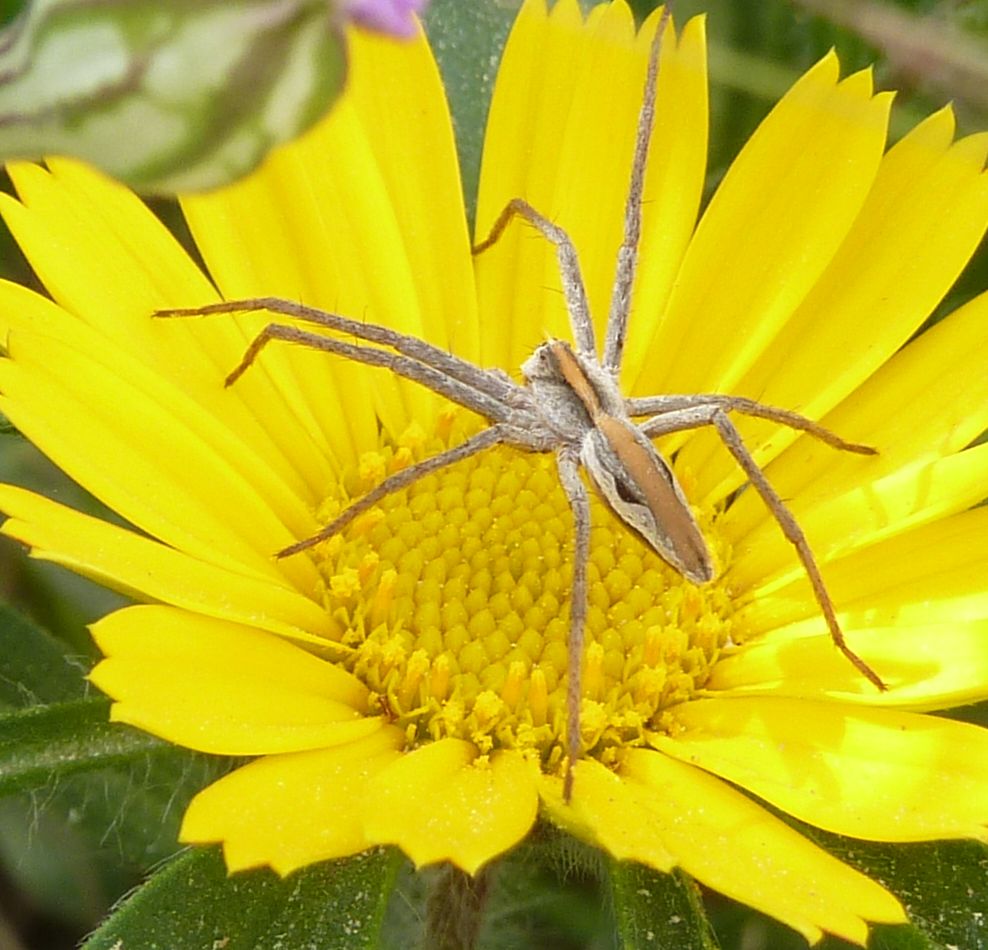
455	909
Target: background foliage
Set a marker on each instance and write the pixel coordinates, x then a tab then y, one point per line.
88	812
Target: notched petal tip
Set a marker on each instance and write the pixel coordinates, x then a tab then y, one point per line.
440	803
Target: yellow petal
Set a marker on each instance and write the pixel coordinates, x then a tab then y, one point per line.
265	236
927	666
162	370
929	401
228	225
733	845
124	265
191	483
610	812
577	131
878	774
399	98
665	814
291	810
770	230
597	132
913	496
110	278
913	605
531	102
221	687
673	188
933	574
938	381
118	215
126	561
439	804
879	287
928	192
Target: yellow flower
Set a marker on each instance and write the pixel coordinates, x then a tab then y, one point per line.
404	683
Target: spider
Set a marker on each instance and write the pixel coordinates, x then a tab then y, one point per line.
569	403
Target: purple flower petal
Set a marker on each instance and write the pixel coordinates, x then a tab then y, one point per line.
394	17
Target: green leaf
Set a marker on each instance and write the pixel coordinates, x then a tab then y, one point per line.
130	812
47	742
82	840
178	96
942	884
99	803
53	729
35	667
9	9
652	909
467	39
192	904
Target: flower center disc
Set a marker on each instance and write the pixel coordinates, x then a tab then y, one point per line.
454	597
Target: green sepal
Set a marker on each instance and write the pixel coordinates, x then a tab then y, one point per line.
179	96
555	890
192	903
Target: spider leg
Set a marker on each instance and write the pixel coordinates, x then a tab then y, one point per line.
434	379
484	439
576	494
661	405
624	278
493	384
569	268
716	416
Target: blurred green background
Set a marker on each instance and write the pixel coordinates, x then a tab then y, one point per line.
72	848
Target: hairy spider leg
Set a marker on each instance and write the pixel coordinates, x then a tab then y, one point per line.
715	415
454	390
459	389
574	291
494	383
627	258
485	439
659	405
576	494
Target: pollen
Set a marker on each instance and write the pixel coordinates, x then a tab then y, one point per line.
454	599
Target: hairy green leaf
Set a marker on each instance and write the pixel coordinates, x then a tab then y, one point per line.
942	884
80	841
652	909
44	742
192	904
99	803
35	666
178	96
